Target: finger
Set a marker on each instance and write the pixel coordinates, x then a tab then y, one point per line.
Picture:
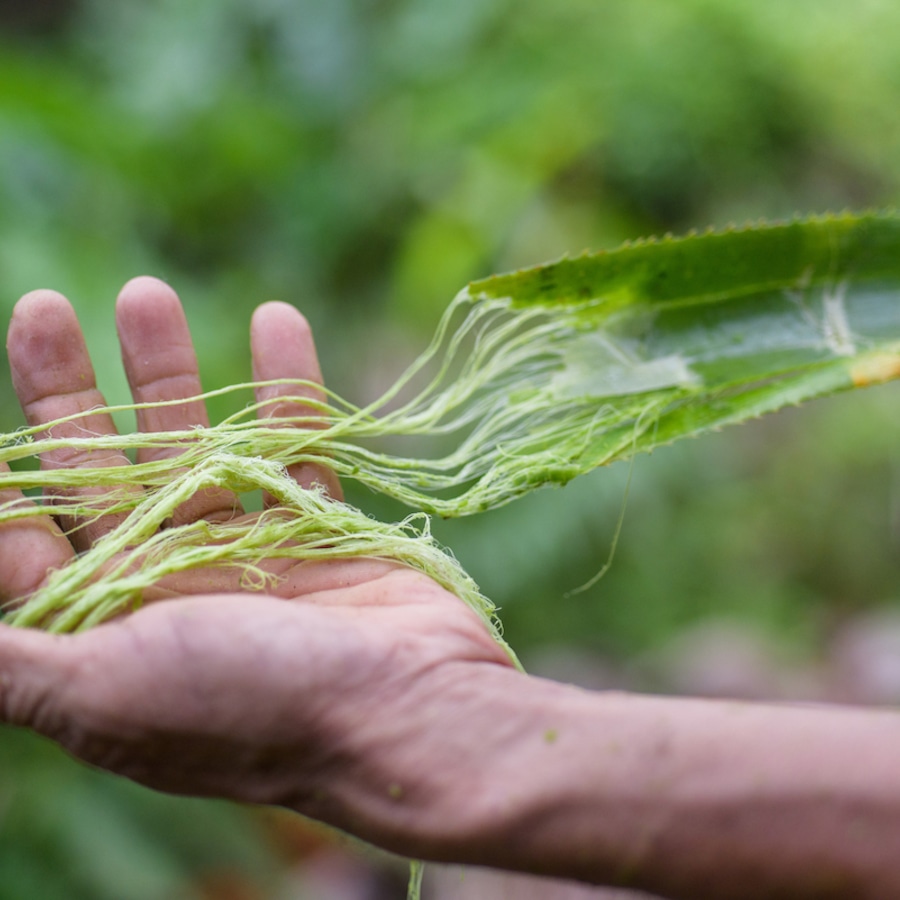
282	345
161	365
53	378
29	547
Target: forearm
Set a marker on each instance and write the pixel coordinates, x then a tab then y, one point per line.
694	799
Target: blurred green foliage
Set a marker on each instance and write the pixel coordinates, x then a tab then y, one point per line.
364	160
75	834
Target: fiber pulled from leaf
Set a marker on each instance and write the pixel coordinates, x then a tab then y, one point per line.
531	379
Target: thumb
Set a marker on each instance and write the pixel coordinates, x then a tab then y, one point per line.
34	670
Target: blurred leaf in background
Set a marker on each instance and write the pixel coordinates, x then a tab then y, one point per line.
364	159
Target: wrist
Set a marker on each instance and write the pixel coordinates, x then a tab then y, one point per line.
532	787
481	773
416	777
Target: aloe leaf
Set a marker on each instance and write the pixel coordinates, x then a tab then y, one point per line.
686	335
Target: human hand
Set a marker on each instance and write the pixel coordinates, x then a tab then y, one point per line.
312	695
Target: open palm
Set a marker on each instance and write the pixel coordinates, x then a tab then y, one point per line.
291	696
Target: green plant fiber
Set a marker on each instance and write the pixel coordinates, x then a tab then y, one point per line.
532	378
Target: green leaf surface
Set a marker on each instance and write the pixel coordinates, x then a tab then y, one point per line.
723	326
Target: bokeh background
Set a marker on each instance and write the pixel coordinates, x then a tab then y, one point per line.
364	159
